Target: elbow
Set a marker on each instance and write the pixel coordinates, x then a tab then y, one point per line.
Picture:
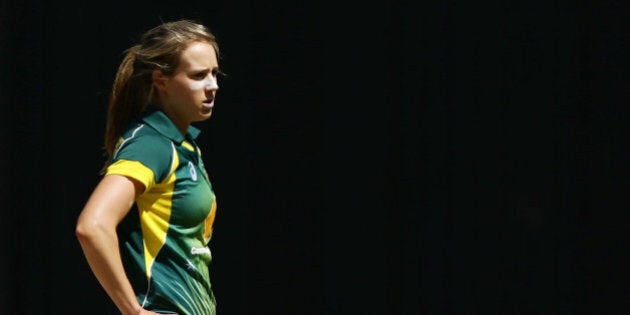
81	231
87	229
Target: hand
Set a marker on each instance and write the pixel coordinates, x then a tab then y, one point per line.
147	312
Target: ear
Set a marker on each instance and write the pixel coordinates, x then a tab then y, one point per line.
159	79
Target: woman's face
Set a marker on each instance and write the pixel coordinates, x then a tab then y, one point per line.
188	95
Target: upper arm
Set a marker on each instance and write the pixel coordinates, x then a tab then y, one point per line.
111	200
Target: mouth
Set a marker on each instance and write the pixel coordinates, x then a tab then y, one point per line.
209	103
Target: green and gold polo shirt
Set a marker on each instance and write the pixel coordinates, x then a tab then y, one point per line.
164	238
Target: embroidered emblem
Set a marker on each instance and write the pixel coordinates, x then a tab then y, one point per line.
193	172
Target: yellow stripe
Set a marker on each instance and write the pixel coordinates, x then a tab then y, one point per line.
210	220
188	146
155	208
133	169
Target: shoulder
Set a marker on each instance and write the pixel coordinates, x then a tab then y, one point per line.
142	139
144	144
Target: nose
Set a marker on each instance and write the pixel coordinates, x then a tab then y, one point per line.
211	84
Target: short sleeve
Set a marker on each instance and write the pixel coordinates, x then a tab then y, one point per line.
150	154
133	169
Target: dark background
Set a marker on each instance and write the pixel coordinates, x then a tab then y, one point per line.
383	157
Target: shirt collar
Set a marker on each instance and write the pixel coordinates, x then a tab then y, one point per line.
156	119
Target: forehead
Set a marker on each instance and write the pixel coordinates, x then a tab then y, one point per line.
198	55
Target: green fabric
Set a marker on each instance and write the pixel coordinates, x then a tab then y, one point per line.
171	220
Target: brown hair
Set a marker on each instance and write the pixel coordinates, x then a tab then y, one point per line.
159	48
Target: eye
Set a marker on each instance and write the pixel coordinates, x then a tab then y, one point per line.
199	75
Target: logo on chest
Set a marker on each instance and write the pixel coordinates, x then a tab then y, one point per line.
193	171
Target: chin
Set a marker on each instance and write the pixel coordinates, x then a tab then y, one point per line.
205	115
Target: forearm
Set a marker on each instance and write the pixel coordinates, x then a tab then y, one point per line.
100	247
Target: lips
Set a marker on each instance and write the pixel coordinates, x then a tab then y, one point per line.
208	103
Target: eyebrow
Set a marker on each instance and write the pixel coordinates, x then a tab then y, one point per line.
199	69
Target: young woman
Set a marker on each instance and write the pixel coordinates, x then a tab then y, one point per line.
146	226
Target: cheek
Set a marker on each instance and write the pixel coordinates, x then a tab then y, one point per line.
196	86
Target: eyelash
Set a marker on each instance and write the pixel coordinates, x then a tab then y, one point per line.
218	72
215	73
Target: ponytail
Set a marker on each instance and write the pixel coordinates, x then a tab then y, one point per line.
129	96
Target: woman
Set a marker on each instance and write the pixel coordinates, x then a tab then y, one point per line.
145	228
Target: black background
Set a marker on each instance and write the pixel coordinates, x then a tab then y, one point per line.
378	157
